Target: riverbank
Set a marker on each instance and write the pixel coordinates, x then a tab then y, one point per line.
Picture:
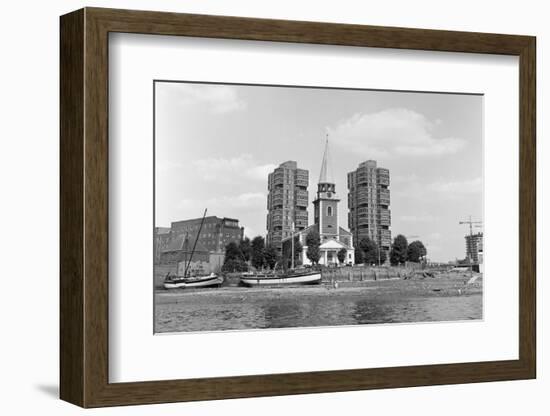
448	297
443	286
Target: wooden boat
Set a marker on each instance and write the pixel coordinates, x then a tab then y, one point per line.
193	281
291	278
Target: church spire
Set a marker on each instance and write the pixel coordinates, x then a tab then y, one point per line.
326	169
325	212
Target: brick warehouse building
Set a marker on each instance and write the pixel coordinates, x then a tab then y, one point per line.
162	238
368	202
176	245
287	202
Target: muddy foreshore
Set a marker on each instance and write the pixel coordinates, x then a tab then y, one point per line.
451	285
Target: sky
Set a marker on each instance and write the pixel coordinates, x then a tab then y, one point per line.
216	143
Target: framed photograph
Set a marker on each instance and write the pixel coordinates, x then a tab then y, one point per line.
255	207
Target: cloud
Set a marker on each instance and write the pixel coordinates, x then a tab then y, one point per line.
445	189
405	179
392	133
249	200
219	99
432	242
245	207
431	248
166	166
417	218
249	208
245	200
234	169
471	186
250	232
260	172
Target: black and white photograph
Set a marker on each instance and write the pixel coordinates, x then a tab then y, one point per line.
298	206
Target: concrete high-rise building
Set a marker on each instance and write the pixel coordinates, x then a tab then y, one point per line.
474	247
287	202
369	202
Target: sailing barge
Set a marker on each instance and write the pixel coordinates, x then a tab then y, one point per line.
189	280
289	278
193	281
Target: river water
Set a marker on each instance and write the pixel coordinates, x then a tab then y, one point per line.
313	312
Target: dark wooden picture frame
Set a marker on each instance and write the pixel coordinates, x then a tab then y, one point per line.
84	207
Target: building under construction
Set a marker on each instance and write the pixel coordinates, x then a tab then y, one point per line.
474	247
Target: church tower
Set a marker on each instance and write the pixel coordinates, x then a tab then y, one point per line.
325	205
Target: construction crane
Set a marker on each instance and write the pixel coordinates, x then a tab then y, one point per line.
472	224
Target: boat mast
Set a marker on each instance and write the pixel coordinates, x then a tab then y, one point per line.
195	244
292	247
186	249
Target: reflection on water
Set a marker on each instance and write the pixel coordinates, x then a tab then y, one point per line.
279	313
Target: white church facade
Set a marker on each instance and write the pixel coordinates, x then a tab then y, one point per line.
325	213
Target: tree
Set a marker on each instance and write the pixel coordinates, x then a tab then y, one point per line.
369	249
233	252
234	265
358	256
246	248
233	260
342	253
271	256
257	252
398	252
383	256
297	251
423	251
416	251
313	242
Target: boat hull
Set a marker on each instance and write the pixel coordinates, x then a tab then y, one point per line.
303	279
191	283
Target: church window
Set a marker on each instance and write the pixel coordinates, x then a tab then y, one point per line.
329	211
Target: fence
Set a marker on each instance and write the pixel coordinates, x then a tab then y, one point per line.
360	274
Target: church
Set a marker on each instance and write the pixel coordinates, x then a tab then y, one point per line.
325	214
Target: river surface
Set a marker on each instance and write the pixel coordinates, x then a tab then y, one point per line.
312	312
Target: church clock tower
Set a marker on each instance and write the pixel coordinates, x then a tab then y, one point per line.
325	205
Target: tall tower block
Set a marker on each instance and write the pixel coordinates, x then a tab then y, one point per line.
369	204
287	202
